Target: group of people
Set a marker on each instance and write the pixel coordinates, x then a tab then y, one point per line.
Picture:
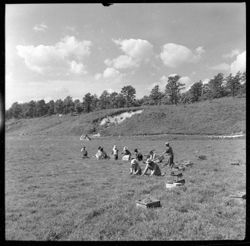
152	159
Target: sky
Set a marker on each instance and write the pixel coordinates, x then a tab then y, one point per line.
57	50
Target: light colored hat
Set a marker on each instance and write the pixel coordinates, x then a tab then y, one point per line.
125	148
133	162
114	147
167	143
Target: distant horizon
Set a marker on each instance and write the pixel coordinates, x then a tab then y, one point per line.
60	50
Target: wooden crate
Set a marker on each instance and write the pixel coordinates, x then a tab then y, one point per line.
148	203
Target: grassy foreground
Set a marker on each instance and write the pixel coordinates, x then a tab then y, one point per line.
52	194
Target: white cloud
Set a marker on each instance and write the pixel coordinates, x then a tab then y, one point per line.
110	72
40	28
172	75
77	68
136	48
239	64
205	81
221	66
44	58
187	82
98	76
232	54
110	90
135	51
162	84
123	62
173	55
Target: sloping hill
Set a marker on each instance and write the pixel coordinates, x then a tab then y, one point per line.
220	116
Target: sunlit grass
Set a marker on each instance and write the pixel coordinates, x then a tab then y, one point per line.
53	194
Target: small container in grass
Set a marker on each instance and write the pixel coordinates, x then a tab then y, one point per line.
148	203
202	157
236	163
172	184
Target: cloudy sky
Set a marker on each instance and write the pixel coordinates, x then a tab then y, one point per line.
56	50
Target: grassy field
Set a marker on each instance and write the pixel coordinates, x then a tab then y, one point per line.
220	116
52	194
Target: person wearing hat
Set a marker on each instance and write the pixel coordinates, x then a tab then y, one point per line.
135	168
115	152
138	155
153	167
169	154
126	154
84	152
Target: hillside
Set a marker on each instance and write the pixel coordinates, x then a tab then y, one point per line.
220	116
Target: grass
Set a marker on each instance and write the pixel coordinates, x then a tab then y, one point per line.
221	116
53	194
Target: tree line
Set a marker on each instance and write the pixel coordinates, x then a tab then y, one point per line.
218	86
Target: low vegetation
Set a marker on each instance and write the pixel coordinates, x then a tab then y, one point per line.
220	116
53	194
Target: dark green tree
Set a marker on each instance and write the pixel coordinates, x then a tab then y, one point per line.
41	108
59	106
68	105
16	110
128	92
195	91
51	107
215	86
233	83
156	95
104	100
87	102
173	89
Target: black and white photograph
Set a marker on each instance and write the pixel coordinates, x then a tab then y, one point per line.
125	121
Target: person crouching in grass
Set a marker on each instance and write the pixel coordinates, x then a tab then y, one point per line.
126	154
135	168
138	155
153	167
101	154
84	152
115	152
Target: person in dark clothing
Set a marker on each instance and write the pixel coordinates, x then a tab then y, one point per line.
84	152
138	155
169	154
153	167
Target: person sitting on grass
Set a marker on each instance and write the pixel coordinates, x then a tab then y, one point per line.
101	154
135	168
138	155
155	158
153	167
169	154
115	152
126	154
84	152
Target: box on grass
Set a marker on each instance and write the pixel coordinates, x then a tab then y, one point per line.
148	203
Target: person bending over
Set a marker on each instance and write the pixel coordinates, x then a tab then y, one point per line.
138	155
126	154
135	168
153	167
169	154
